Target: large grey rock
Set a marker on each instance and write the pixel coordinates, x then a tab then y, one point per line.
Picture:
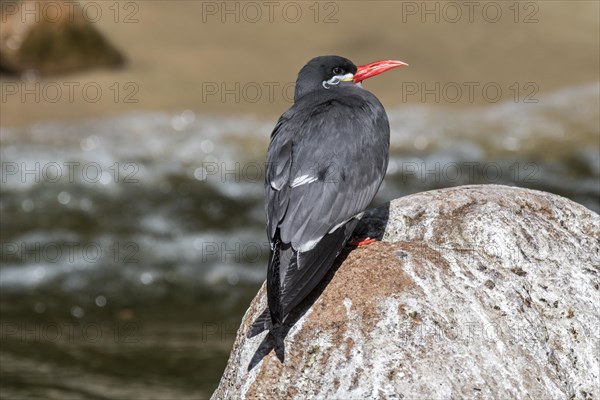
474	292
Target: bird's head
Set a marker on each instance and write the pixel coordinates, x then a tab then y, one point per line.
330	72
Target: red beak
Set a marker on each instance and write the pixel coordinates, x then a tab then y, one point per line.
366	71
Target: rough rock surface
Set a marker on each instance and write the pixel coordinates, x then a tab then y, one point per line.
474	292
52	37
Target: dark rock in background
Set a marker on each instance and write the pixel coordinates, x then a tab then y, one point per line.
52	38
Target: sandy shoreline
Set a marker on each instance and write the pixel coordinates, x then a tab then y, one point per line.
183	55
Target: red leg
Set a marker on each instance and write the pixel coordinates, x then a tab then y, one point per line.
360	242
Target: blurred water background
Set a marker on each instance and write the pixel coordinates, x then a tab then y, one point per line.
133	235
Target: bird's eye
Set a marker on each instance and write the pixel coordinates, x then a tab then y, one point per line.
338	71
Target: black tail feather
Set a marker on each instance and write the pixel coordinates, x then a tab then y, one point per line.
313	266
278	334
274	282
288	286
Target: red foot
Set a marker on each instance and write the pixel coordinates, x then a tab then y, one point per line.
361	242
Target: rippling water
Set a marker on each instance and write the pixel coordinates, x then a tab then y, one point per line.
131	246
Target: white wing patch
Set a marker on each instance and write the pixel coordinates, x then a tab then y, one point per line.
303	180
335	228
308	246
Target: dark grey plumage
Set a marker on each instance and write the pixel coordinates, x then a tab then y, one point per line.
326	160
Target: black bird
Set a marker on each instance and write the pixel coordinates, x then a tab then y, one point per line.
326	160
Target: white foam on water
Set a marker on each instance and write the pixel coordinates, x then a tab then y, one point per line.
149	163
